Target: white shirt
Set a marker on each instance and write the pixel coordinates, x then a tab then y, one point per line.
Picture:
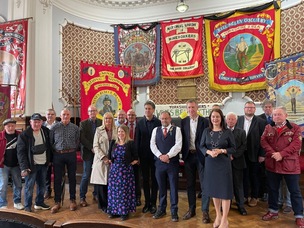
174	150
193	127
247	124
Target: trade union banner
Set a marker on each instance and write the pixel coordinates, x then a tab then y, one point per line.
182	48
13	51
105	86
5	110
239	45
139	47
285	85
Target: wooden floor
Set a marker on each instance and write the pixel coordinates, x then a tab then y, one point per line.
138	219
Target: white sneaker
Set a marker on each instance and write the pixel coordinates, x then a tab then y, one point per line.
3	207
18	206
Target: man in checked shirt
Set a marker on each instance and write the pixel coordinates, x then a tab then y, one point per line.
65	140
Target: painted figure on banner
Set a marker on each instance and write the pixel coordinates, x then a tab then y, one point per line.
106	105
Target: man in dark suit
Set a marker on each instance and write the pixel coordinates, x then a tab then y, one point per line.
238	161
192	128
143	134
87	132
254	154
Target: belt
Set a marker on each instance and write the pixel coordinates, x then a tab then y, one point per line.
192	151
65	151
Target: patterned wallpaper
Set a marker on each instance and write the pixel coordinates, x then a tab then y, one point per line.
80	43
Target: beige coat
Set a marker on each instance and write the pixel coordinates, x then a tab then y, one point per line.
100	170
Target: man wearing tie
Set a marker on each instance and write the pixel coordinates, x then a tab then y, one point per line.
87	132
166	143
192	128
131	122
267	107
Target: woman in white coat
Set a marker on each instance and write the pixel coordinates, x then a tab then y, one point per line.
100	168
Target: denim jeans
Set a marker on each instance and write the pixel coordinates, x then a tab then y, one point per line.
292	182
87	170
17	184
284	195
38	176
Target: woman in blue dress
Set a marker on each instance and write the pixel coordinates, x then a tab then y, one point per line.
121	182
217	144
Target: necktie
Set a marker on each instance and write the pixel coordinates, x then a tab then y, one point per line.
132	130
165	132
93	126
269	119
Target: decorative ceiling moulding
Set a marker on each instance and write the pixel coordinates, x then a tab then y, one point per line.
146	11
45	4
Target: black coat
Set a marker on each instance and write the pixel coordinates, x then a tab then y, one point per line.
238	161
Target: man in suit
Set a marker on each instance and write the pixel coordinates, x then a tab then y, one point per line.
254	154
192	128
131	123
143	136
238	161
166	143
87	131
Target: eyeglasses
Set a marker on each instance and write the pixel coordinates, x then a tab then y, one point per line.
92	111
249	107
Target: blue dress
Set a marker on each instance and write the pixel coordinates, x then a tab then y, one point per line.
121	185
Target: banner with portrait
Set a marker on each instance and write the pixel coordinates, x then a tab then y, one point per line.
5	110
285	81
105	86
239	45
182	48
13	51
139	46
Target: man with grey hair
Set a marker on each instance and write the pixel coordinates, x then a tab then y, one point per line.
237	161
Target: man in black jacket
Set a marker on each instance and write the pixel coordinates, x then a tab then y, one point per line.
34	152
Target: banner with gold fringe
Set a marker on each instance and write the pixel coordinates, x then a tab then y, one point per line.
105	86
238	45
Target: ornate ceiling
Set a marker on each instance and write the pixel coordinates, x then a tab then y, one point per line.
127	3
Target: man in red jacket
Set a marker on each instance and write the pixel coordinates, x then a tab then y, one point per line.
282	142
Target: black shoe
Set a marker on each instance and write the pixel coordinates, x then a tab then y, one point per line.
113	216
242	211
189	214
158	214
138	203
153	209
145	208
124	217
174	217
199	195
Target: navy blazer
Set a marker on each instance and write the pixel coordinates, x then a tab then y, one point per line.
257	126
185	129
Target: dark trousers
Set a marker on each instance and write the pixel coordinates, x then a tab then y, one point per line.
193	166
102	195
60	161
292	182
148	174
238	188
48	182
252	179
163	172
137	181
87	170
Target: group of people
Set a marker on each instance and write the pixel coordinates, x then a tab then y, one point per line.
233	157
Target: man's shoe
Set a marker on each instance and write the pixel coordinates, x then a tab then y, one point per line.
55	208
83	203
253	202
138	203
73	205
300	222
47	195
145	208
27	209
3	207
206	218
18	206
189	214
42	206
153	209
269	216
199	195
174	217
287	210
158	214
242	211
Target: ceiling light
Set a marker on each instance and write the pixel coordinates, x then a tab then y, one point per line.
182	7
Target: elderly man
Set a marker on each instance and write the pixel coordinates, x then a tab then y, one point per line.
166	143
282	141
121	118
9	164
238	161
64	140
34	153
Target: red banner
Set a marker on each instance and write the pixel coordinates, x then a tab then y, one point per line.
106	87
182	48
13	51
238	46
5	110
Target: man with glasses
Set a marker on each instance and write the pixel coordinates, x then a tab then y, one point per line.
87	131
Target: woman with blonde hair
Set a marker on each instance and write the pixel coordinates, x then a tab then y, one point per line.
100	168
121	189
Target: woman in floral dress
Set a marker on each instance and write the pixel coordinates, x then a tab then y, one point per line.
121	182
